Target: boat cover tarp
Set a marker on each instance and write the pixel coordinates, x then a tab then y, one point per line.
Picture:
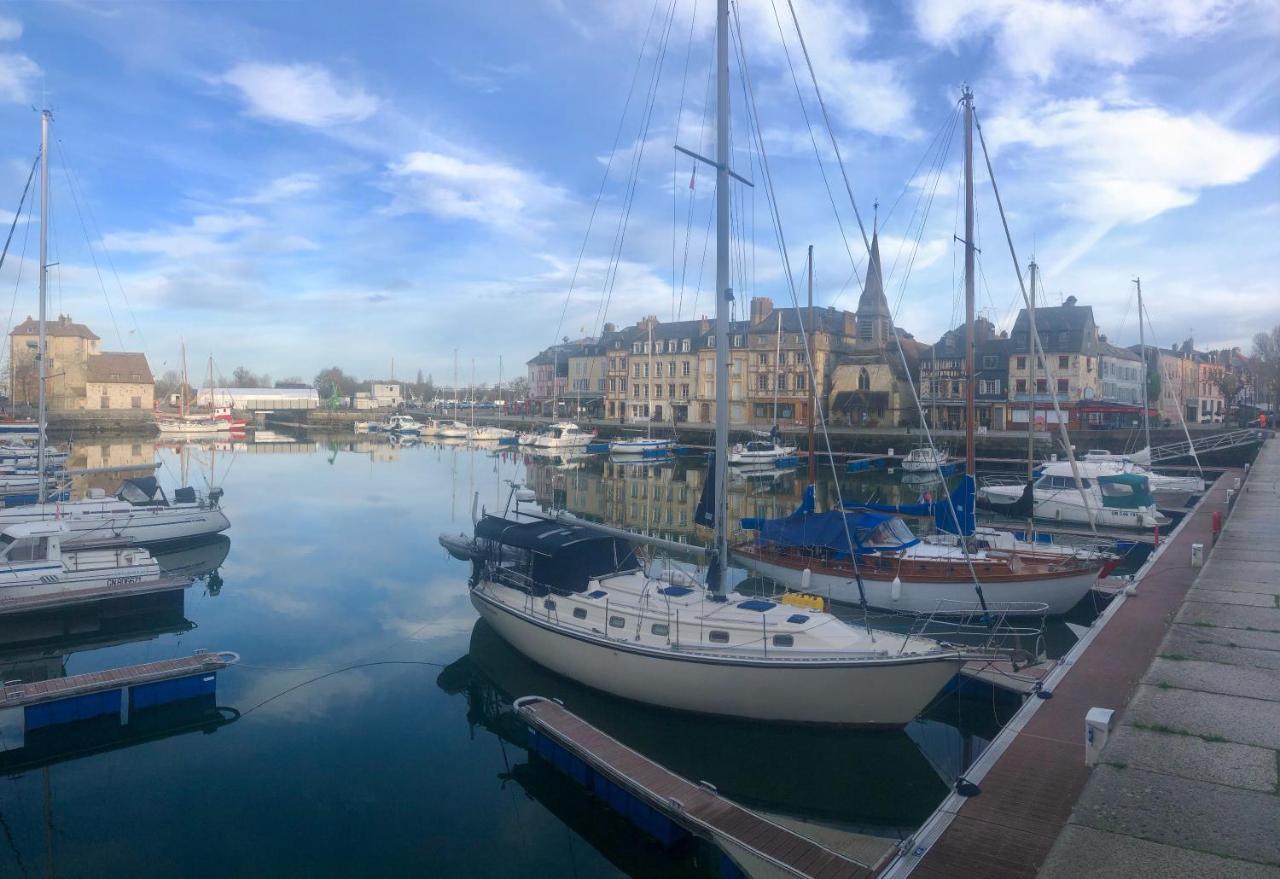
805	529
559	556
705	514
142	490
961	500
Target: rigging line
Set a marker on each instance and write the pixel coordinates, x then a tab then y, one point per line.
949	120
18	213
771	198
338	671
92	255
604	178
706	245
73	181
1035	336
675	158
922	208
629	198
17	283
693	176
830	131
795	81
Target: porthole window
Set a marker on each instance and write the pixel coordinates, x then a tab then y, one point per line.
718	636
617	622
783	641
580	613
660	629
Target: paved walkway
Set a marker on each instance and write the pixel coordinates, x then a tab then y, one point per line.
1187	785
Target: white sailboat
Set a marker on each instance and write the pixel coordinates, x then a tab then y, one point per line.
578	601
925	458
187	424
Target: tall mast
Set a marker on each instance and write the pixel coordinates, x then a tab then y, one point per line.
1142	340
724	294
501	402
182	398
42	407
455	383
648	385
1031	388
969	463
813	385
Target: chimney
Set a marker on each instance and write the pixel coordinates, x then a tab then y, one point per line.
1070	301
761	308
704	324
610	328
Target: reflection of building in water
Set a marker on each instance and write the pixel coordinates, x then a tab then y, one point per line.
654	499
132	457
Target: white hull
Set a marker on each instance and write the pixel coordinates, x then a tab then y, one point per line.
1065	505
86	569
638	446
923	466
769	457
564	442
928	597
93	522
888	692
193	428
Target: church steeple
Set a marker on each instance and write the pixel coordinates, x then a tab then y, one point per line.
875	321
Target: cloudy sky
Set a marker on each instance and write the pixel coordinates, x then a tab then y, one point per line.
293	185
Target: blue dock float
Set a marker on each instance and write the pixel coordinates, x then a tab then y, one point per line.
597	447
860	464
116	691
670	808
656	453
508	440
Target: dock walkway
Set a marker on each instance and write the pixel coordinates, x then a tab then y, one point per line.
23	694
1187	784
759	846
1032	775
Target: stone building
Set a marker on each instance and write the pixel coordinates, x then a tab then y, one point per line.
79	375
870	384
1069	341
778	364
943	382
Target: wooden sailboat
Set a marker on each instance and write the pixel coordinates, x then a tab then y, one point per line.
187	424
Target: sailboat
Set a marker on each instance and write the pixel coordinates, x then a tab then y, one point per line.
187	424
139	513
867	553
646	445
577	598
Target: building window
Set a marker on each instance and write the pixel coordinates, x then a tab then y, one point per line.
658	371
739	341
1064	361
1062	386
644	369
684	392
763	358
864	379
1022	363
988	361
635	370
684	369
1042	386
135	402
800	381
782	381
684	346
671	391
955	389
104	402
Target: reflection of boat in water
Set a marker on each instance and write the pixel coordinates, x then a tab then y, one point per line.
874	780
196	559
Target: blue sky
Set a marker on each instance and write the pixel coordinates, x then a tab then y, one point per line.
292	185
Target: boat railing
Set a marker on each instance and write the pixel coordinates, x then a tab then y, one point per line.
1011	628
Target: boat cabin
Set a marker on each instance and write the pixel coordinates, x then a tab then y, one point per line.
541	556
32	542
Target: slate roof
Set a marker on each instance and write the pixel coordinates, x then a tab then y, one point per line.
118	366
63	325
1052	322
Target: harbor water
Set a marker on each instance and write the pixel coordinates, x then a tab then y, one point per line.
365	730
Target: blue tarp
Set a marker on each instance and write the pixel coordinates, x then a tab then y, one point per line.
809	530
961	499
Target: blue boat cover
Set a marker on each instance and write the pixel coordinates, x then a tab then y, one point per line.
962	500
831	530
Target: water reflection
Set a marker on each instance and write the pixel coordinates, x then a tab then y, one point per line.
879	782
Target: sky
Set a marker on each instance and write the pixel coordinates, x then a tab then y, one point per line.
288	186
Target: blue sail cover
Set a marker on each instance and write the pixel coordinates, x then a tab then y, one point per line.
805	529
962	499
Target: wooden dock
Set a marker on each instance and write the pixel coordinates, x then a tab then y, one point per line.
1032	774
28	603
757	845
21	695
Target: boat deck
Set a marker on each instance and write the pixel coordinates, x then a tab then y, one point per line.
16	695
1031	782
758	845
28	603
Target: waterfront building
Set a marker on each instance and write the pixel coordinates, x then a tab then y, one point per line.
1190	384
943	382
587	377
705	399
778	363
1119	402
259	399
1069	340
80	375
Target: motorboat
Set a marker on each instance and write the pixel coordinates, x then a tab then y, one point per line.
760	451
405	425
1121	500
452	429
925	458
18	428
489	434
1095	465
140	513
563	435
581	604
33	561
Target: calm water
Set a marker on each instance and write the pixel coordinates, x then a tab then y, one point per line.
363	732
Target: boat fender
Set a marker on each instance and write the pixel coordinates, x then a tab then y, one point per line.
895	590
475	503
805	576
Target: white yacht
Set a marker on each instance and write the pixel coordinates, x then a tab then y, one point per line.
563	435
759	452
1122	500
139	513
1099	463
452	429
33	561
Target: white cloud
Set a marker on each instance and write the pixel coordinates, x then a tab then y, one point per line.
282	189
17	73
1036	38
497	195
10	28
305	94
1129	163
205	234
